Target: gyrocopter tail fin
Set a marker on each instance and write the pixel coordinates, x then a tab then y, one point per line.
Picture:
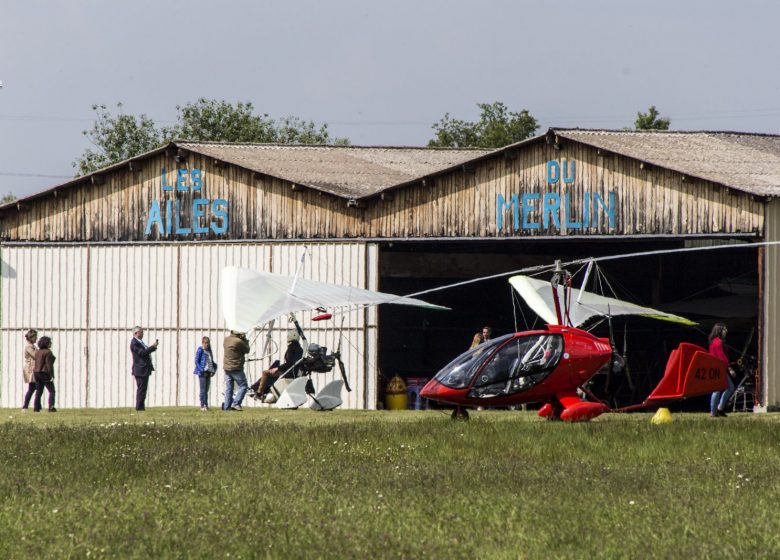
691	371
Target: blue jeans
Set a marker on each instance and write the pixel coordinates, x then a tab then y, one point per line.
240	378
719	399
205	383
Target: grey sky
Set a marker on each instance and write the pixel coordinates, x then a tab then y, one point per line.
379	73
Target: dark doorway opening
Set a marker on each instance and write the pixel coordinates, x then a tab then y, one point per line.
705	286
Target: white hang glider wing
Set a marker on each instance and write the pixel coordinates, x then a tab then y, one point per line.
583	305
250	298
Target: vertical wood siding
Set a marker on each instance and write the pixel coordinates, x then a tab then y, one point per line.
459	203
43	288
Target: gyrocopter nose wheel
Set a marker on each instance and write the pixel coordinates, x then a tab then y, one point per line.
460	413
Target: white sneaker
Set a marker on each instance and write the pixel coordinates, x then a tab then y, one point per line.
237	407
204	408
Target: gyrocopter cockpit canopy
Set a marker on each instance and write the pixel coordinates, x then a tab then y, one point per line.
504	366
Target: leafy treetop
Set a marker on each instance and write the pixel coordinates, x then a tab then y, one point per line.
120	137
497	127
651	120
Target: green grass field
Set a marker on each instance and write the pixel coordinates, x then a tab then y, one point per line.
176	483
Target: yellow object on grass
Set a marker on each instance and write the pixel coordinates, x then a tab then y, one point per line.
395	394
663	416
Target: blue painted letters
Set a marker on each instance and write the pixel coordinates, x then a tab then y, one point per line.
551	206
553	171
220	210
181	181
205	216
561	211
568	178
527	209
154	218
197	215
501	206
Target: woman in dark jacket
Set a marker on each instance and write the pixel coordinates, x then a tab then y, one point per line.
44	373
205	369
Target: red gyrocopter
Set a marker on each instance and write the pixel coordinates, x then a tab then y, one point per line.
550	365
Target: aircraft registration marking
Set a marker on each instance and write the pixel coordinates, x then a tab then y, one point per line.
707	373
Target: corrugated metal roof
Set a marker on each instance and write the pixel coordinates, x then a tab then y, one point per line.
346	171
742	161
746	162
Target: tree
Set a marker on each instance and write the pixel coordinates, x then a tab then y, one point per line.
209	120
120	137
117	138
651	120
497	127
7	198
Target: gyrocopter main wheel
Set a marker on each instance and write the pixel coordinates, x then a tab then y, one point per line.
460	413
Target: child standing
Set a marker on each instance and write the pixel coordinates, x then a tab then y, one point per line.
205	368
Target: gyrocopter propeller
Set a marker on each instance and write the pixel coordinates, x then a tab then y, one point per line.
337	356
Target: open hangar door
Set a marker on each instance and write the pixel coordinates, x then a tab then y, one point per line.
704	286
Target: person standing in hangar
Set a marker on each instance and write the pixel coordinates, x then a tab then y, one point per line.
483	336
717	348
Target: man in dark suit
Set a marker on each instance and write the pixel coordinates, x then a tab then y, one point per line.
142	365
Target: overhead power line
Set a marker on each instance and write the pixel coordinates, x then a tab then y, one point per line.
10	174
726	114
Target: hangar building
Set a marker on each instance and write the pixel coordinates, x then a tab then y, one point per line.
142	242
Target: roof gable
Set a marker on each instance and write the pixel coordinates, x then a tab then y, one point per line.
344	171
746	162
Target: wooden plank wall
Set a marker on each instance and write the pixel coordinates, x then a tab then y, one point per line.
461	203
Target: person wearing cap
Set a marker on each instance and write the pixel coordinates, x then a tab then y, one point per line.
28	368
236	347
292	357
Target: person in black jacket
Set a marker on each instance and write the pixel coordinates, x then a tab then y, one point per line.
292	357
44	373
142	365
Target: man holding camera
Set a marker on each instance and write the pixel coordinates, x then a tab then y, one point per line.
142	365
236	347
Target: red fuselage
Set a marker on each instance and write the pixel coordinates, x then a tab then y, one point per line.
531	366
